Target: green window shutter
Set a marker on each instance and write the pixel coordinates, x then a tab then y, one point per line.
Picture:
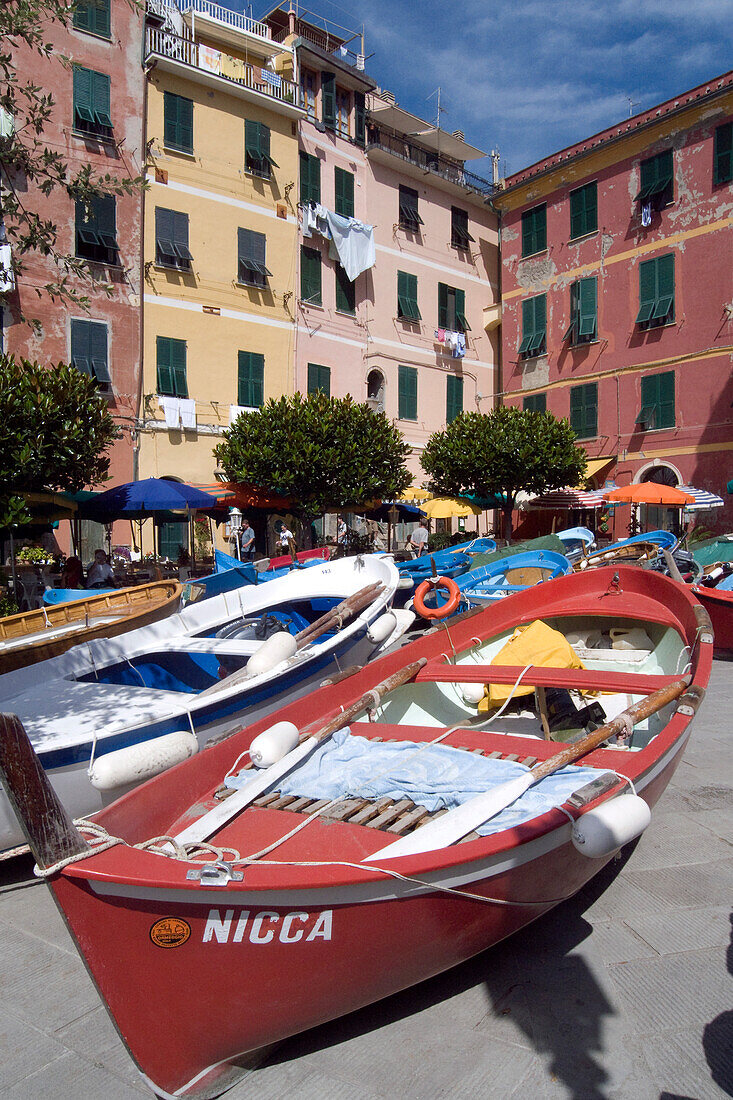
344	193
407	296
319	379
443	306
527	326
252	139
80	349
83	98
409	217
534	316
310	276
584	410
587	308
664	306
250	379
647	291
164	366
251	267
105	212
535	402
407	393
102	17
257	157
453	397
82	16
459	235
328	99
656	178
101	99
359	118
461	323
177	122
345	292
657	401
723	154
171	238
583	210
93	16
98	352
310	178
534	230
571	332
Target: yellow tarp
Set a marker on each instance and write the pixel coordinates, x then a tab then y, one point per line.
534	644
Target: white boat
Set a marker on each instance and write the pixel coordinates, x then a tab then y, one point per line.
108	714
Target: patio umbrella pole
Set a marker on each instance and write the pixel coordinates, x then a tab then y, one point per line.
12	564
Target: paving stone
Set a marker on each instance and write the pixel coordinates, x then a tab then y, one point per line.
678	1064
73	1078
675	930
695	885
676	840
658	994
23	1049
34	911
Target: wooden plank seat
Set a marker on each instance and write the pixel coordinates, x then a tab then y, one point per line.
584	679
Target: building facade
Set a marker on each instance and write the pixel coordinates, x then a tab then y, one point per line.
220	238
617	293
96	121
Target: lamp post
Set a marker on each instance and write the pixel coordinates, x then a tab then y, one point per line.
393	516
235	526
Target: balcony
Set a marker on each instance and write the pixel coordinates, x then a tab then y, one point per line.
244	23
214	67
381	139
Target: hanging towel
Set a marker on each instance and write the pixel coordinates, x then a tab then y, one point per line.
7	275
272	78
646	214
171	407
209	59
440	335
459	350
188	412
235	411
354	242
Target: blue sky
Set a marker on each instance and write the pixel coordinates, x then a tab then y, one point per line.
531	76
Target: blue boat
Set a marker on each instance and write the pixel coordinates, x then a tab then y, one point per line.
500	578
635	547
577	541
450	562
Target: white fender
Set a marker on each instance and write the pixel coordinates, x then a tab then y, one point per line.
273	651
272	744
607	827
382	627
142	761
472	693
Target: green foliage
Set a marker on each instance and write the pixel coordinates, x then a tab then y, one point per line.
503	452
36	555
27	158
323	453
54	431
8	606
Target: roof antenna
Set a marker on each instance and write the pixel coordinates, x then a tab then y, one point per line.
632	103
439	108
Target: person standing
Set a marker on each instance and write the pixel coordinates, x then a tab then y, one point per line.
341	533
418	541
246	541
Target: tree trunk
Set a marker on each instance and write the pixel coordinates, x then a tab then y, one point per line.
507	513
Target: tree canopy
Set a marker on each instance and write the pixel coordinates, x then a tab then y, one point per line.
27	158
54	432
324	453
502	453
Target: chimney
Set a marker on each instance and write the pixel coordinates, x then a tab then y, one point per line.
459	135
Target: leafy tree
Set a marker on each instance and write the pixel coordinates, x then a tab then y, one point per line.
324	453
27	159
54	430
502	453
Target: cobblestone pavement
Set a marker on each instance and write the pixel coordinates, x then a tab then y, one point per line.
625	992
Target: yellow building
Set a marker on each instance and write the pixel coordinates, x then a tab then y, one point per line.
220	231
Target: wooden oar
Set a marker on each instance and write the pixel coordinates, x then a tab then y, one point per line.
341	613
207	825
459	822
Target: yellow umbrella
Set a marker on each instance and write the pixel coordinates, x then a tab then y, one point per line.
414	492
449	507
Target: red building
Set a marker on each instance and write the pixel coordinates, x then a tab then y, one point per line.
97	120
617	294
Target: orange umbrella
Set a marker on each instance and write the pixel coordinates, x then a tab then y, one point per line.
650	492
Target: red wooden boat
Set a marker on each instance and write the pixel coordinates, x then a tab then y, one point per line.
719	605
300	926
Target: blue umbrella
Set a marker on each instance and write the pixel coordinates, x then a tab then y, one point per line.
150	497
405	512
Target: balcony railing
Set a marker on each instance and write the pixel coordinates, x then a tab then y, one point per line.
163	43
381	137
224	15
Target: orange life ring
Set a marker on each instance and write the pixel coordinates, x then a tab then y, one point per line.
454	598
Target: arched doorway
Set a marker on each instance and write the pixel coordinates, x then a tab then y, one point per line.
658	517
375	390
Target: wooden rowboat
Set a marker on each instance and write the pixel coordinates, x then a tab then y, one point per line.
35	636
310	905
718	602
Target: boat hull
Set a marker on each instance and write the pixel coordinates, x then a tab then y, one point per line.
719	606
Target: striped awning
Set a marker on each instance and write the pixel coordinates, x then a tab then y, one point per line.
567	499
230	494
703	499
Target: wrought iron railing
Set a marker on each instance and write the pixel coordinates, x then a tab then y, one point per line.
224	15
163	43
381	137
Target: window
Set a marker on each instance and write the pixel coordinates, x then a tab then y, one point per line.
535	402
343	111
171	239
723	154
656	292
407	297
344	192
407	393
345	292
250	379
534	326
177	122
409	217
319	378
96	230
172	538
656	180
328	100
657	401
170	357
308	92
93	16
534	230
584	410
91	103
359	118
583	312
251	268
89	351
583	210
257	159
310	179
452	309
453	397
310	276
459	235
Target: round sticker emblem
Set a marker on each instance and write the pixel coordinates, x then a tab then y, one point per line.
170	932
